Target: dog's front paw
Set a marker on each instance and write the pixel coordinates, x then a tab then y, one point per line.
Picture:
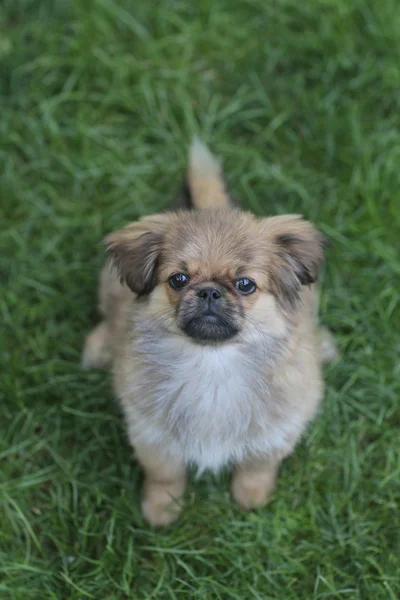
252	490
161	503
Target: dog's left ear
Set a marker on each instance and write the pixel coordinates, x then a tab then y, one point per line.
296	250
135	251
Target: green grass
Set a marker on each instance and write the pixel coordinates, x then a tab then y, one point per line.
99	99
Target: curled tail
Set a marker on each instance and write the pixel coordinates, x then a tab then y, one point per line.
205	186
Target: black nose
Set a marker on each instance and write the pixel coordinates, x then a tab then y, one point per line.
209	294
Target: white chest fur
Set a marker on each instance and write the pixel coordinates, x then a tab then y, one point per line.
211	405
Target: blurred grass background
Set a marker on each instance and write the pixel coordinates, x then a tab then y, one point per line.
99	99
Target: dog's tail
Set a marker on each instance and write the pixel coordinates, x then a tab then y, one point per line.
204	187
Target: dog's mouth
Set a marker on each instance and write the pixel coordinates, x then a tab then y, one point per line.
209	327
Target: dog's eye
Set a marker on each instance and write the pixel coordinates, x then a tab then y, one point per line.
245	285
178	281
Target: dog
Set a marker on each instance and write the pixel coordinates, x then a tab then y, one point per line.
209	329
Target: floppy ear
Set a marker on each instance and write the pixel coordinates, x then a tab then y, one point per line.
135	251
297	253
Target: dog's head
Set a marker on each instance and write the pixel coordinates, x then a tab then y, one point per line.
217	275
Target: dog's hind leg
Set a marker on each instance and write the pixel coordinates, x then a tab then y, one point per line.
97	351
327	345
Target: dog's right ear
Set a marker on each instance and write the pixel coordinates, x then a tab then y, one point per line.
135	251
294	257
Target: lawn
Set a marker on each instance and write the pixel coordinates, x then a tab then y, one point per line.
99	100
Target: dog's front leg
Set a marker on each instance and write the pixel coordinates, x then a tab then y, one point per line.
163	487
254	481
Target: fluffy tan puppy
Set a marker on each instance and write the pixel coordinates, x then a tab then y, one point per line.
209	330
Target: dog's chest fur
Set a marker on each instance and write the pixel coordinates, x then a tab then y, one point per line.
212	406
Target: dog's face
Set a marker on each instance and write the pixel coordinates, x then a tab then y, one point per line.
214	275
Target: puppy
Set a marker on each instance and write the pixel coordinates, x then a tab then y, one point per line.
208	327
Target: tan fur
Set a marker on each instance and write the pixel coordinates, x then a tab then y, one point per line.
245	401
